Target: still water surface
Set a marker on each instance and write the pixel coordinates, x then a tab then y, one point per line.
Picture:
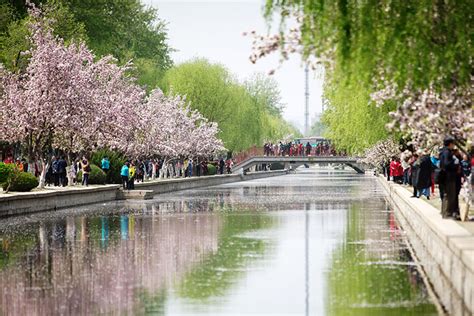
318	242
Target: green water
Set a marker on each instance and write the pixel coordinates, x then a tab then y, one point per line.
317	242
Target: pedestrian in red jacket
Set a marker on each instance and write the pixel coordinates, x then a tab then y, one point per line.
396	170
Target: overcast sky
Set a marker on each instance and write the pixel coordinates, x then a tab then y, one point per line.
213	29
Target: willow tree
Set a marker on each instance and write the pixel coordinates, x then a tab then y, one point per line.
248	113
367	46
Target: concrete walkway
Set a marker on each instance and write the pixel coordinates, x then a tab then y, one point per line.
444	246
436	202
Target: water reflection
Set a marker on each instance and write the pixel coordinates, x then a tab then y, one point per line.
313	243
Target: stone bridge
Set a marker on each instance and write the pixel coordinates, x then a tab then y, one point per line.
296	161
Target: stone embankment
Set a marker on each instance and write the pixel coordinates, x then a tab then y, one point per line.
444	247
45	200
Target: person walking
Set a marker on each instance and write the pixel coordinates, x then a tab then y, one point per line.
86	169
124	173
447	179
423	176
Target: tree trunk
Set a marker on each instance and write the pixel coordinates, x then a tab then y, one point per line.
45	167
70	178
153	171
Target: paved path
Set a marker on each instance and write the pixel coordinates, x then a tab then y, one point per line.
436	202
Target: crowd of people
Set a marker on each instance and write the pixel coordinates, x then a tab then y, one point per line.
323	148
136	171
61	173
449	169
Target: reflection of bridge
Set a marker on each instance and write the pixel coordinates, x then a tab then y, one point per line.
296	161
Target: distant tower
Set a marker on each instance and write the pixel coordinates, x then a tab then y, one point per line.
306	103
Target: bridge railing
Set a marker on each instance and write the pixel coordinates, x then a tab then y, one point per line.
259	152
253	151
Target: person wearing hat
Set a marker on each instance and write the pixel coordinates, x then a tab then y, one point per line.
447	179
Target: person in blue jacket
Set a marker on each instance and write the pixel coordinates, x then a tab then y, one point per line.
124	173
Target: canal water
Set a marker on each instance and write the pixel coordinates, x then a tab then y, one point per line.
317	242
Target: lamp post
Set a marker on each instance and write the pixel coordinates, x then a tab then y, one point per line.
306	103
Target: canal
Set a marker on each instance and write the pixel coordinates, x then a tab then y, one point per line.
317	242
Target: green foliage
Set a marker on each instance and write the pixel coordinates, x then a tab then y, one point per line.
96	176
248	114
15	37
211	169
116	162
412	43
353	122
129	31
354	278
125	29
21	182
318	129
6	171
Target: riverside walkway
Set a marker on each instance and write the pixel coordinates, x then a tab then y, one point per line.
445	245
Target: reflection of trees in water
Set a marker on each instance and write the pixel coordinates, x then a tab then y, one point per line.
219	270
372	272
101	264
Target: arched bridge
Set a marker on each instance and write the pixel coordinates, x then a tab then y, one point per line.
296	161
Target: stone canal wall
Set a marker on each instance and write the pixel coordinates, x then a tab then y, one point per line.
445	248
30	202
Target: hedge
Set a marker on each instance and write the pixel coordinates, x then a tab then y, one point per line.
5	171
96	176
22	182
211	169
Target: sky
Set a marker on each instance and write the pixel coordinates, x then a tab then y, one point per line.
212	29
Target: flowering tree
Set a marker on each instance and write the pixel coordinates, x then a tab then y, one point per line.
169	129
65	99
427	117
381	152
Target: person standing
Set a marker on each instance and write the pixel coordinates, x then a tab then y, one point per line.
190	167
73	172
19	165
62	165
124	173
198	168
86	169
396	170
308	149
447	181
221	166
105	166
406	167
423	176
55	170
131	176
466	166
414	165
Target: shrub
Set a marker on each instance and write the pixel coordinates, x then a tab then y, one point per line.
116	162
22	182
6	170
96	176
211	169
